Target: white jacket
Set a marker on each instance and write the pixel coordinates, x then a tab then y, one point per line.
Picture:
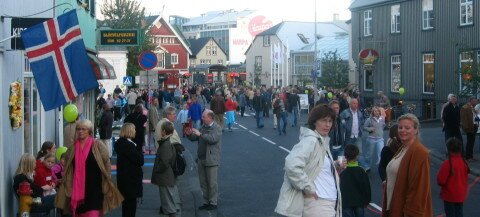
302	166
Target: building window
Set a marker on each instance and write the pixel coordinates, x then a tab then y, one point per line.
428	15
202	61
266	41
160	58
368	79
220	62
208	50
209	61
192	62
174	58
367	23
395	19
258	64
466	62
466	12
429	73
396	72
172	40
214	51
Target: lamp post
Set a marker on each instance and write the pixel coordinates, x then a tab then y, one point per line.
315	51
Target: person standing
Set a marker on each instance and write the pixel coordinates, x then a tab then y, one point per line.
453	179
129	170
311	185
337	134
294	106
105	129
131	100
230	107
217	105
374	125
352	122
355	185
209	139
451	118
393	145
170	115
257	104
87	188
242	101
279	110
139	120
153	118
469	126
195	113
407	188
162	173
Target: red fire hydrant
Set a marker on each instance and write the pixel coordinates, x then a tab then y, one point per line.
25	199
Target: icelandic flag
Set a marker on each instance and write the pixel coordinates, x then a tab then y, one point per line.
58	59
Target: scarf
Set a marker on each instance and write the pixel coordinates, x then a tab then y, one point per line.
78	188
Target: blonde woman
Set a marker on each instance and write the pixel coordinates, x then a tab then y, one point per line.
24	173
408	174
374	126
87	188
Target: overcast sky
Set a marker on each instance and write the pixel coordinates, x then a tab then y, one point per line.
297	10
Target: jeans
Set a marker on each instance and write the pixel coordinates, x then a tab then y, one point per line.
372	144
453	209
197	124
361	157
353	212
337	152
258	116
283	117
294	115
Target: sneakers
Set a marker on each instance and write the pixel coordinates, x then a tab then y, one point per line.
208	207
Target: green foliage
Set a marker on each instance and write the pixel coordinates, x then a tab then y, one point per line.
334	71
128	14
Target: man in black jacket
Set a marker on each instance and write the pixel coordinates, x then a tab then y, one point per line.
105	128
451	118
294	106
258	106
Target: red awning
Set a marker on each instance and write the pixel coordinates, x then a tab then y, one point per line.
233	74
102	69
210	75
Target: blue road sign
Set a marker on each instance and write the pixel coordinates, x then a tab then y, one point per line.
127	80
147	60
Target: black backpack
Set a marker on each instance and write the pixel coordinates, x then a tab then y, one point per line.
179	164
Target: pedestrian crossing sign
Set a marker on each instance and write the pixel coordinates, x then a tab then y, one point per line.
127	80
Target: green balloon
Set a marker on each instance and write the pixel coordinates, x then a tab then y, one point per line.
70	113
330	95
60	151
401	90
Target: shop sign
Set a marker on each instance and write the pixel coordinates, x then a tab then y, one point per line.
368	56
126	37
20	24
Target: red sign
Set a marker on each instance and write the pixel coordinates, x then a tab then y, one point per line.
368	56
259	24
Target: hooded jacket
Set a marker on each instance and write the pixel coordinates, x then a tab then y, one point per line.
302	167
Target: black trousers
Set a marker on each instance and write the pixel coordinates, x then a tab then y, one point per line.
129	207
242	110
470	144
453	133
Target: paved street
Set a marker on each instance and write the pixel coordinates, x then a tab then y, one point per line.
251	174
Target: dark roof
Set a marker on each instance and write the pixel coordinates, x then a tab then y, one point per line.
150	19
197	44
363	3
272	31
180	33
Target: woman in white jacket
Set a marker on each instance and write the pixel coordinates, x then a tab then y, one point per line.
311	182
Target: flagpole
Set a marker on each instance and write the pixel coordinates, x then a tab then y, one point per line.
271	65
315	52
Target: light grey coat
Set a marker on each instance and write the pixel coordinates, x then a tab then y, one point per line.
211	139
302	166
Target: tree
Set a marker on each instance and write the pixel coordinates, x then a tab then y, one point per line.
128	14
334	71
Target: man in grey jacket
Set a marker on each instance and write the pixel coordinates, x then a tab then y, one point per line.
352	123
209	139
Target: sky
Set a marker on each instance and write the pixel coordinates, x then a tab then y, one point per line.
297	10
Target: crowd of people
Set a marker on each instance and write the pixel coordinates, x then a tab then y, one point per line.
326	172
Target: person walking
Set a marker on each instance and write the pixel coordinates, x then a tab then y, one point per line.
294	106
209	139
217	105
311	184
257	104
153	118
469	126
453	179
407	188
231	107
242	102
280	111
129	170
105	129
